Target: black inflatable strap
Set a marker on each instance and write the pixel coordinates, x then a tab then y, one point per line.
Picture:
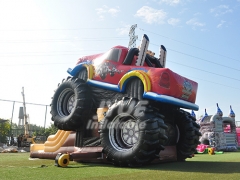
131	53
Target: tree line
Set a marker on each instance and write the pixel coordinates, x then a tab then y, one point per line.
6	129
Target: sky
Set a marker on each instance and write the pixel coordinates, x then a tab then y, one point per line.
41	39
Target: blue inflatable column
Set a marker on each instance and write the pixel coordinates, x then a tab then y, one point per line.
219	111
231	113
205	115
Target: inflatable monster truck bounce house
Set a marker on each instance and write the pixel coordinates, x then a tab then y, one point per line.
125	107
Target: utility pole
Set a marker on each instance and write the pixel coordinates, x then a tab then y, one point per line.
25	114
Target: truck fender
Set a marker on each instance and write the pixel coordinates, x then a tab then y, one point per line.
136	73
76	69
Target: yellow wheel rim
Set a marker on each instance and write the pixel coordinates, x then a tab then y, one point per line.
63	160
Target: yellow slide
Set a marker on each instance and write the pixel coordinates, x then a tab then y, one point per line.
62	141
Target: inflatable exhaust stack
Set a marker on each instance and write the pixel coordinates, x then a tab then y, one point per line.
142	50
162	56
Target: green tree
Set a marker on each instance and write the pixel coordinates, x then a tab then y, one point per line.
39	131
45	132
51	130
4	131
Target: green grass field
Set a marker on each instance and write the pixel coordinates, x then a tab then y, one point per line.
18	166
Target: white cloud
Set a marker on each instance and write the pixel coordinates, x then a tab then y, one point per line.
104	10
173	21
113	11
221	10
221	23
195	23
150	15
124	30
170	2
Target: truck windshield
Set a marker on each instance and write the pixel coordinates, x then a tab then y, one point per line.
111	55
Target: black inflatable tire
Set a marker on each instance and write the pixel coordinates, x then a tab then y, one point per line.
130	137
189	135
83	74
72	90
135	88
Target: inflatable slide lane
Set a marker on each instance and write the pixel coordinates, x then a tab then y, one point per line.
61	142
